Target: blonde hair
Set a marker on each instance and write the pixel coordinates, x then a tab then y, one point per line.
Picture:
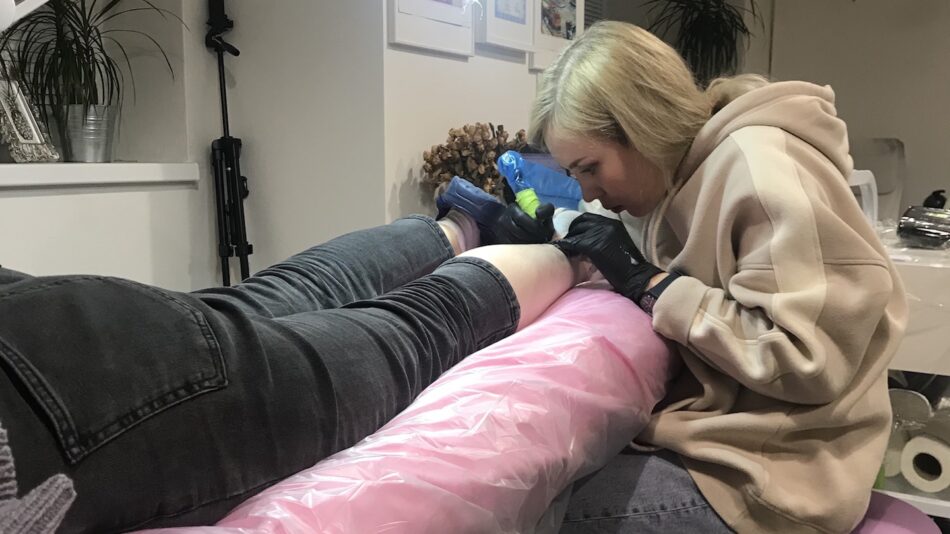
722	91
619	82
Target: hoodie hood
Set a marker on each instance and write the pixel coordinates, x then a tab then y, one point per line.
802	109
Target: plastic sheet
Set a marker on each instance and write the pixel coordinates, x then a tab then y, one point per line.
488	446
900	253
926	344
541	173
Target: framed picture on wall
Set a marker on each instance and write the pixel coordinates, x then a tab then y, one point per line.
22	132
440	25
507	23
557	23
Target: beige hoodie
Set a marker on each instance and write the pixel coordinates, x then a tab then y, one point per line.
786	321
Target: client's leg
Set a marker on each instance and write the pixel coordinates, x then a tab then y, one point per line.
8	276
359	265
538	274
367	263
167	408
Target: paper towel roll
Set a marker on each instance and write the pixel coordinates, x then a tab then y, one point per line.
895	446
925	464
911	412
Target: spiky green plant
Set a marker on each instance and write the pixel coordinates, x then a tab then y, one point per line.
67	52
708	33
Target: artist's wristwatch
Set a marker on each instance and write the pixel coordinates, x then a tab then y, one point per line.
650	296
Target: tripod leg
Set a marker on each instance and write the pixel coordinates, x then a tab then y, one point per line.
237	190
219	166
245	267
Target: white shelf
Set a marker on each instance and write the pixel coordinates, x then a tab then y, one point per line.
926	344
933	505
920	363
928	505
24	7
55	175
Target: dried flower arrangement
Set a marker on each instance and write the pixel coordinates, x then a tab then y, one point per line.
470	152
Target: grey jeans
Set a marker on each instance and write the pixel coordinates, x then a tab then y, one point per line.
640	493
171	408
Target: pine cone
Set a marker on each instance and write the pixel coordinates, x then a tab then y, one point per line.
470	152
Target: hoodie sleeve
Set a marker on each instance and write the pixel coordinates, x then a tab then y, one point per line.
807	294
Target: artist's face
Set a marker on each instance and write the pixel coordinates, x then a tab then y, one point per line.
617	175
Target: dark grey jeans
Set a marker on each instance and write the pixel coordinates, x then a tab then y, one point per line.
168	408
640	493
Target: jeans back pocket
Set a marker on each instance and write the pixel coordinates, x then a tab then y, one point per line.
100	355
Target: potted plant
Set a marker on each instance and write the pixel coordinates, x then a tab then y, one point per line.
67	56
707	33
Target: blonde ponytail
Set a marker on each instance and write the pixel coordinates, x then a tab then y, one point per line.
722	91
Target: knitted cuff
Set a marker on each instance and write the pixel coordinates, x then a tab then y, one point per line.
40	511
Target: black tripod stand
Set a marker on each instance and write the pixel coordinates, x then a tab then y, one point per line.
230	187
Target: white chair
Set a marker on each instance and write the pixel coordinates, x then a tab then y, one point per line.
866	186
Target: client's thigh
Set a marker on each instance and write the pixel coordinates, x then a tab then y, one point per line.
640	493
160	410
166	411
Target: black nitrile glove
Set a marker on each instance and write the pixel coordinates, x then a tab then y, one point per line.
608	246
515	227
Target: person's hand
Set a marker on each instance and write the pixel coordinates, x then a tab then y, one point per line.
609	247
515	227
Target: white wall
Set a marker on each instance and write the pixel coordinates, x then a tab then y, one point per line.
153	115
885	59
155	234
754	57
426	95
756	53
307	100
137	233
887	62
334	122
202	125
632	11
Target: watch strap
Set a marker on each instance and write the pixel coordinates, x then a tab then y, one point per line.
649	298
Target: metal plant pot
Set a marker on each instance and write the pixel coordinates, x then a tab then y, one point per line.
90	133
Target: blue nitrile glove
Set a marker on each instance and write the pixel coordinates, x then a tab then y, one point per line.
609	247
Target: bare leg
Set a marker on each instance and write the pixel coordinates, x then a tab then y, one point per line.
461	231
539	274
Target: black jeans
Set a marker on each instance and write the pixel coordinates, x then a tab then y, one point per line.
168	408
640	493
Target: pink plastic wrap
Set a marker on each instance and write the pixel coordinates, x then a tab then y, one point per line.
488	446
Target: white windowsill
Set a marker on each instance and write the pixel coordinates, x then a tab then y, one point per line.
71	175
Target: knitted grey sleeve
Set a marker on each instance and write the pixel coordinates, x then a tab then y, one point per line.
41	510
7	474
